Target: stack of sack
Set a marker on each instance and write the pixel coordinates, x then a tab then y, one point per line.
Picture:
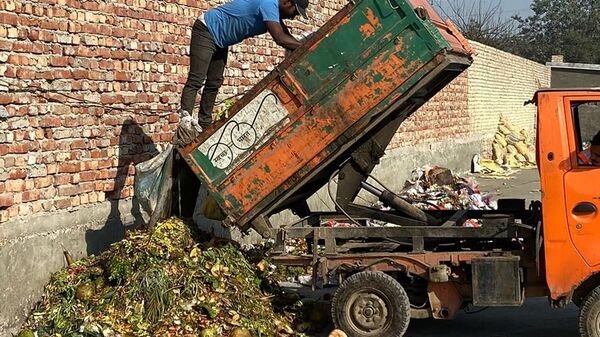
512	147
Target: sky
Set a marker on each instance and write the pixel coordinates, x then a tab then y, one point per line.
509	7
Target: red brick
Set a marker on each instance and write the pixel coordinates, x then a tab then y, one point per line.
19	60
119	54
23	73
68	167
59	61
76	155
80	74
52	168
79	144
29	196
4	149
17	185
89	165
49	145
19	148
62	179
121	76
102	164
43	182
6	200
9	19
68	190
49	121
87	175
9	161
17	173
62	203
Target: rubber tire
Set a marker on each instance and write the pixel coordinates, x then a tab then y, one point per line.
589	315
399	306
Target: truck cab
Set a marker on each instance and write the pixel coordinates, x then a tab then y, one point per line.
568	135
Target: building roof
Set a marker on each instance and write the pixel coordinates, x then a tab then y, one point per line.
579	66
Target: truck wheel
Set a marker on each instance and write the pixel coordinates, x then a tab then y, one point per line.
589	315
371	304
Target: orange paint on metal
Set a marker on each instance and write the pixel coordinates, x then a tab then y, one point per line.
374	20
444	296
367	30
463	41
565	265
388	65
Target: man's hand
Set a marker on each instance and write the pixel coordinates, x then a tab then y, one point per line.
278	32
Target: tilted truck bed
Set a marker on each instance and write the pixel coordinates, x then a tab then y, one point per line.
367	69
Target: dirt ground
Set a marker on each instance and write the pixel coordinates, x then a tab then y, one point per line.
535	318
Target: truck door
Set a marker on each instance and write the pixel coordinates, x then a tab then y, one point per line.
582	180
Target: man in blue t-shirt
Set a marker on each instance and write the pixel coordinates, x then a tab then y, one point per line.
224	26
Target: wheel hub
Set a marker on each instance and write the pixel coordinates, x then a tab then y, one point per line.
369	312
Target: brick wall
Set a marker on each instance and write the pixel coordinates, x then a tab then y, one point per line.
88	88
499	84
444	117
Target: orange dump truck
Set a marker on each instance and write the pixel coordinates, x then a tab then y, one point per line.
329	111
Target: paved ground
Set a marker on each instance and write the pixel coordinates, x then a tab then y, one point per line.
524	184
535	318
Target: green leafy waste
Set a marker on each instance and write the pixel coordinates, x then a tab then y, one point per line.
163	283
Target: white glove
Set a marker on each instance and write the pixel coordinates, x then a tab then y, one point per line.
187	131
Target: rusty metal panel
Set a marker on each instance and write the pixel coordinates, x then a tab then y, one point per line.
497	281
361	67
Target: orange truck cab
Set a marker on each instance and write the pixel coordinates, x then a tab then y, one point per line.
568	129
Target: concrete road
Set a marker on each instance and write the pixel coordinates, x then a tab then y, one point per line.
534	319
525	184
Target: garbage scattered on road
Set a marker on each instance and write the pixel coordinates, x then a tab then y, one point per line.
436	188
164	283
487	168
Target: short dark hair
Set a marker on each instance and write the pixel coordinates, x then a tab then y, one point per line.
596	139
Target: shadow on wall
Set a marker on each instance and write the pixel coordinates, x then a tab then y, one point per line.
134	147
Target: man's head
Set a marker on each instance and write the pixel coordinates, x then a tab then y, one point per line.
595	150
289	9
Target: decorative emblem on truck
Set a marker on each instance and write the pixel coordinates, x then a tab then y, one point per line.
246	130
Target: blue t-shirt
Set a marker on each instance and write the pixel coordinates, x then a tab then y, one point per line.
237	20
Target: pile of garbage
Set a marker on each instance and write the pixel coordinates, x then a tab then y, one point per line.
163	283
437	188
512	147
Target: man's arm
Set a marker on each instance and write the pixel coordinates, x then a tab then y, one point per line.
278	32
285	28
